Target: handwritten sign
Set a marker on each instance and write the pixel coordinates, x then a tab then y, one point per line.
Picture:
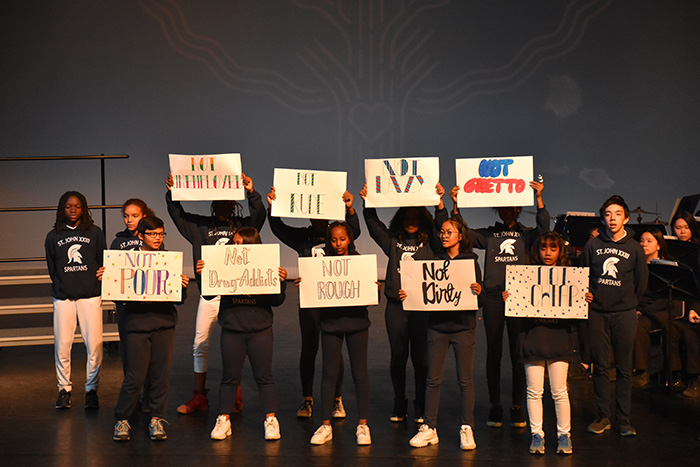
440	285
547	292
335	281
309	194
142	276
494	182
210	177
402	182
249	269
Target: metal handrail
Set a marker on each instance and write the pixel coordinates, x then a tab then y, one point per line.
103	207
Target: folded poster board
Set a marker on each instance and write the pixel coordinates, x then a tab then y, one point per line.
142	276
309	194
494	182
547	292
207	177
440	285
402	182
338	281
249	269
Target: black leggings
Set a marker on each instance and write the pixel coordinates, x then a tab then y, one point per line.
494	321
407	333
332	344
309	324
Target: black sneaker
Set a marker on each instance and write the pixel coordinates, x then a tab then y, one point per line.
91	400
63	401
516	417
495	419
399	412
306	409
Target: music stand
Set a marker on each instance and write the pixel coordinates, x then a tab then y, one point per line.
686	253
667	279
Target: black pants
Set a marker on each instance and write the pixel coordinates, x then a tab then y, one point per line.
612	332
332	345
407	335
309	324
494	322
234	348
642	340
149	354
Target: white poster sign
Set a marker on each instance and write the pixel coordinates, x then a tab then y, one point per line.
249	269
142	276
495	181
402	182
309	194
335	281
439	285
547	292
207	177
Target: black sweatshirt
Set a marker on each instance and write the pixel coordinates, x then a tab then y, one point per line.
506	245
618	272
249	313
396	250
207	230
73	258
306	241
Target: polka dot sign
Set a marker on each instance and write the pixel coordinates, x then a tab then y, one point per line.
546	292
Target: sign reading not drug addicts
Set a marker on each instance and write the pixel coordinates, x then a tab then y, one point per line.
249	269
142	276
440	285
547	292
402	182
494	182
309	194
209	177
335	281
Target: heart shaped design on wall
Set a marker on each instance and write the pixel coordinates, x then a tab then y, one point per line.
371	121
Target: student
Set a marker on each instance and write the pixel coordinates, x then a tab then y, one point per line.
456	329
652	313
351	324
74	250
506	242
686	228
246	329
149	343
307	242
618	279
411	230
548	342
133	210
219	228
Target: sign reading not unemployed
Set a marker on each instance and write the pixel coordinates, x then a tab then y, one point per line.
208	177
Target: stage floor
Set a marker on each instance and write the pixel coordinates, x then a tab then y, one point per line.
33	432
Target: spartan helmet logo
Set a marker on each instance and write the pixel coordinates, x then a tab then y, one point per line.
318	250
508	247
609	267
407	256
222	241
74	255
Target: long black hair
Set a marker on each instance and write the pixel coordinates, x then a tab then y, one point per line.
86	221
550	238
425	222
229	210
465	245
692	225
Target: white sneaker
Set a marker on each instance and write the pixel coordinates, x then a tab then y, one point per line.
466	438
424	437
222	429
363	436
338	409
272	428
323	434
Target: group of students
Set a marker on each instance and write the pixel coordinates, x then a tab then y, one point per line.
618	277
